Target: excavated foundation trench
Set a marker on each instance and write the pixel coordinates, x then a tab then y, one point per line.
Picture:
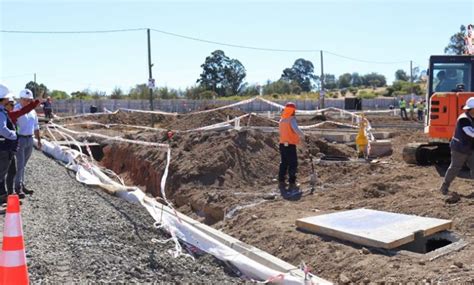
206	168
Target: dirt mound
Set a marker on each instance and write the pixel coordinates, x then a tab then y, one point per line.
230	159
137	119
180	122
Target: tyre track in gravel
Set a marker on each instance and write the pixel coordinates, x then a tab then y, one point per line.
75	233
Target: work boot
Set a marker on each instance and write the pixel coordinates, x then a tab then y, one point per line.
27	191
293	188
20	193
282	186
444	189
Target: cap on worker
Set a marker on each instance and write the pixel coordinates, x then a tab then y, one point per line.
469	104
290	105
26	94
4	92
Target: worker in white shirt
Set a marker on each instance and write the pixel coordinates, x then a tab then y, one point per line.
27	126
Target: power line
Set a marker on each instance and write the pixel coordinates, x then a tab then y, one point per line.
366	61
233	45
206	41
72	32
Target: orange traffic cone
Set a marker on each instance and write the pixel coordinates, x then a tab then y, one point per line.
13	269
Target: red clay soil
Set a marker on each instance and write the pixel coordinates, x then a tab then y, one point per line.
215	175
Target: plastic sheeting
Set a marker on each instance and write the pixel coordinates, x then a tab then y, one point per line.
168	218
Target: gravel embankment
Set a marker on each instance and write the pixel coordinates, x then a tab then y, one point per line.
75	233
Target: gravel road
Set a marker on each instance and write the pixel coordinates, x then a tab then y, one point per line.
75	233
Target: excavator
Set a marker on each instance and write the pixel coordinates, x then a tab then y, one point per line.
450	84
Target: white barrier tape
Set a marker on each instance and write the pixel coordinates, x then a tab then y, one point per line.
147	112
326	122
84	115
224	107
12	258
89	134
271	103
12	226
113	125
218	125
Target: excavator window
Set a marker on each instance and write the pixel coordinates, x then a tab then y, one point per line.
447	76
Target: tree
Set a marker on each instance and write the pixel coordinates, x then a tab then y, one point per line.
330	81
221	74
193	92
302	72
140	91
81	95
356	79
59	95
374	79
456	42
401	75
167	93
416	74
39	90
117	93
234	74
96	95
345	80
279	87
250	90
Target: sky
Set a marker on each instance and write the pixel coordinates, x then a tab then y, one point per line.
372	31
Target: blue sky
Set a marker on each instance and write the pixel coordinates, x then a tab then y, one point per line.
370	30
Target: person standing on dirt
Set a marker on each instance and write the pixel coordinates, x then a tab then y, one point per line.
411	106
290	136
462	146
8	139
420	109
48	108
27	127
403	108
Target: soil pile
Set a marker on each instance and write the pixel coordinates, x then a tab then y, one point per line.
180	122
230	159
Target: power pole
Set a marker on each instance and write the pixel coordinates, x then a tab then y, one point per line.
411	80
35	77
321	92
150	76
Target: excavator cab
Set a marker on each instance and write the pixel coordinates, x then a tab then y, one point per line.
450	84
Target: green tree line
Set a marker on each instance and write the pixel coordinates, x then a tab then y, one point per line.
223	76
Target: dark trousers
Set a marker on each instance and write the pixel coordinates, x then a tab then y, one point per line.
420	115
403	113
48	113
289	163
7	171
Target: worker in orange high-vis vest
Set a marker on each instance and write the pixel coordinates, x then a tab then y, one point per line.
290	136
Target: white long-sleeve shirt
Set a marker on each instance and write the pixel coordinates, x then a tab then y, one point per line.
28	123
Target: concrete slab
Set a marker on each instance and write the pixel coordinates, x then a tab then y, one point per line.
373	228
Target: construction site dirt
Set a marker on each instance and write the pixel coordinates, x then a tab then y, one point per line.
227	179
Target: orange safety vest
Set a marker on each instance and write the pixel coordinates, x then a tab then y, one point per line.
287	134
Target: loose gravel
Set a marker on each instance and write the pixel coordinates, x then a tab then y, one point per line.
75	233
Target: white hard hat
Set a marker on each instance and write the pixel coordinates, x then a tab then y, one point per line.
26	94
4	92
469	104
